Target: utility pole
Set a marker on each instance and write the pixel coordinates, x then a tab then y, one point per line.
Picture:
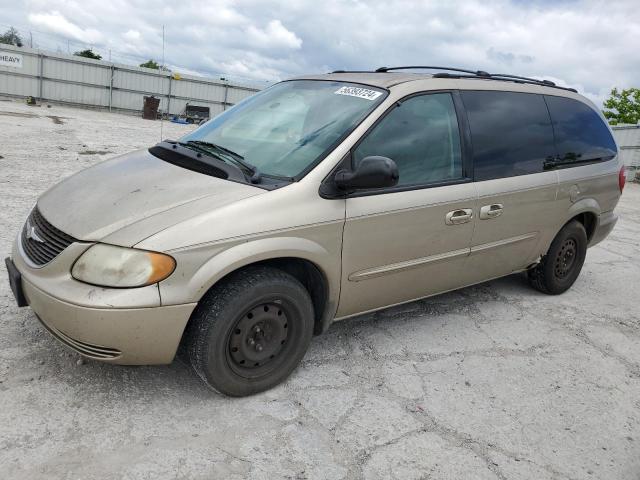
30	40
162	73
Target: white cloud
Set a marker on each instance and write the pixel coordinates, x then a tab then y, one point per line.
57	23
131	35
584	43
217	13
274	36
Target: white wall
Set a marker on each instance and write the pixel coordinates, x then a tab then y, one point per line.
628	140
55	77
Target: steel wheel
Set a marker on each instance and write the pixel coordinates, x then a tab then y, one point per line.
250	331
257	339
565	258
560	267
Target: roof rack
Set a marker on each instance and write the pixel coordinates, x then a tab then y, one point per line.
481	74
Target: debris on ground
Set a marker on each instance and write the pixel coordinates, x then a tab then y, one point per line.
57	120
95	152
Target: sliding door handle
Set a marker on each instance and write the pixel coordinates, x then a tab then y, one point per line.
491	211
456	217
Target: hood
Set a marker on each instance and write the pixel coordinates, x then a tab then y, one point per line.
110	196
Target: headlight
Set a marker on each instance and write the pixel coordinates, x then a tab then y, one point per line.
111	266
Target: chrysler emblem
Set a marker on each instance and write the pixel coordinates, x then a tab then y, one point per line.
32	234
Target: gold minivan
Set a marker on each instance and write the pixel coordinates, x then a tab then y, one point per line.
317	199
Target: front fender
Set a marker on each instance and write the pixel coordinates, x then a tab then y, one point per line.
201	268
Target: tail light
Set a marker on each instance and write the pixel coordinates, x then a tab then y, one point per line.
622	178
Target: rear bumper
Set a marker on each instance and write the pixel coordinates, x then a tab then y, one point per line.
128	336
606	222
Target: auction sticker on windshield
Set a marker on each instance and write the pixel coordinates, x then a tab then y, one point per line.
358	92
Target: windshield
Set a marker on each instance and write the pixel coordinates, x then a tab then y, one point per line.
286	129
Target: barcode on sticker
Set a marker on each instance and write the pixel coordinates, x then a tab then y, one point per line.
365	93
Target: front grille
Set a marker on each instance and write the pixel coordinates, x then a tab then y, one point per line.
87	349
41	241
94	351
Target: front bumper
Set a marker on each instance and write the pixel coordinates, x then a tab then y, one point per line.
129	336
125	326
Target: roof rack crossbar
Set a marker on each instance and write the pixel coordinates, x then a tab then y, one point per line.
479	73
351	71
423	67
470	74
507	78
506	75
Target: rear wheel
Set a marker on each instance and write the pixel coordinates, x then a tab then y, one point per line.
251	331
560	267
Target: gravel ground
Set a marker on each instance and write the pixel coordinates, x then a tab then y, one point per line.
496	381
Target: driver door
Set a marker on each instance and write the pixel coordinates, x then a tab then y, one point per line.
411	240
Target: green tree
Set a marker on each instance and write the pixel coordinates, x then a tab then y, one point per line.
150	64
623	106
11	37
88	53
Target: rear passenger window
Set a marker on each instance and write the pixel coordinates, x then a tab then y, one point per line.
511	133
421	135
581	135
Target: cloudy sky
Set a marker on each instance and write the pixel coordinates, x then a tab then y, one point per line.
590	45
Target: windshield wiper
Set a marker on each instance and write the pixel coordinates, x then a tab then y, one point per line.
314	134
224	153
221	148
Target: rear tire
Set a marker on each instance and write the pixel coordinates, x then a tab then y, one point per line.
251	331
560	267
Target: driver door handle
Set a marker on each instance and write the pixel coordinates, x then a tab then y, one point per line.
491	211
456	217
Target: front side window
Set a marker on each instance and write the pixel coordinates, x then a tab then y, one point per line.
421	135
581	135
286	129
511	133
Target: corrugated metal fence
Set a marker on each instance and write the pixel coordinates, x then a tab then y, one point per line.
92	83
628	140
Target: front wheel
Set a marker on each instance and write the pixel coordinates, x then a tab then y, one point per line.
251	331
560	267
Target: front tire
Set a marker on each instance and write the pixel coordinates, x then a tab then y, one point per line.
560	267
251	331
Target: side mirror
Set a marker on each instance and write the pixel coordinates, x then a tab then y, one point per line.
371	172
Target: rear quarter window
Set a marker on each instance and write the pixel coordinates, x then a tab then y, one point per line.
580	133
511	133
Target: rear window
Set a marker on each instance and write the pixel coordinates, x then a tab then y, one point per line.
511	133
581	135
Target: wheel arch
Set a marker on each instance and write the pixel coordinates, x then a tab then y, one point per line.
316	268
586	211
